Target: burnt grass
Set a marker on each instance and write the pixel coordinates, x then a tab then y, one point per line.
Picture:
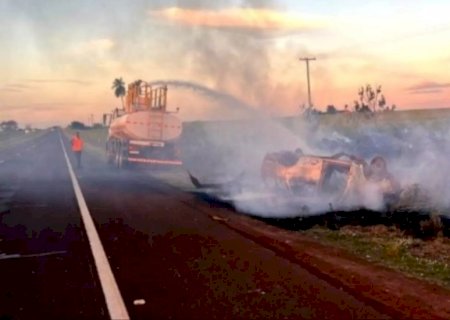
422	225
417	224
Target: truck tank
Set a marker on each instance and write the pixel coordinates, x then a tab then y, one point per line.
145	125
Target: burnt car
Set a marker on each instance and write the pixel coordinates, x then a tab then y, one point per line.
345	179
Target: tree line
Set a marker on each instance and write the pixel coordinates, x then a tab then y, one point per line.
9	125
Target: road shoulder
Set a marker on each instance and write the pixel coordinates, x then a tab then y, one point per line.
389	291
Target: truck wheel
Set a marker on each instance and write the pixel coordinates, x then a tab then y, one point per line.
109	158
109	153
121	161
118	159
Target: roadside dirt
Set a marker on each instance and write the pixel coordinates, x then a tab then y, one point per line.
396	294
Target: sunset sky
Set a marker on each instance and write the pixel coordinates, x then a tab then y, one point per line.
58	58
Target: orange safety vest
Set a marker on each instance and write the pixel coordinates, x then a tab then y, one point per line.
77	144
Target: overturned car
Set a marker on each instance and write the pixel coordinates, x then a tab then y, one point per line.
343	180
291	181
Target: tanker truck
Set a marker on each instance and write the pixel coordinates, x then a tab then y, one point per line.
144	132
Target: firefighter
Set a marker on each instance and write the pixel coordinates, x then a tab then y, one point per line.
77	148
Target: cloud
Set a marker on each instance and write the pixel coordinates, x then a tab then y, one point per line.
250	19
14	87
430	91
70	81
428	87
35	107
21	87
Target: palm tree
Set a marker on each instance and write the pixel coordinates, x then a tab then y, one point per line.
382	102
119	88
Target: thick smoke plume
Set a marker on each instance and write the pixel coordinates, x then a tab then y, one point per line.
234	61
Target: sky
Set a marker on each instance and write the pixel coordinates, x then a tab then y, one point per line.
59	58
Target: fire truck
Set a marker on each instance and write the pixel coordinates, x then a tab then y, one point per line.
144	132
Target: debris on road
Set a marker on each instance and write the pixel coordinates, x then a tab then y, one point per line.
217	218
4	256
139	302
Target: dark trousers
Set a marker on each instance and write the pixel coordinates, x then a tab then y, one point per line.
78	158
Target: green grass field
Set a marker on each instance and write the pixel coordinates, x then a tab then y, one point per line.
353	122
11	138
424	259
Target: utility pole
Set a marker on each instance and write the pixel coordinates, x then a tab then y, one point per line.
90	121
307	60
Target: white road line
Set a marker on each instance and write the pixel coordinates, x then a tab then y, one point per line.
114	301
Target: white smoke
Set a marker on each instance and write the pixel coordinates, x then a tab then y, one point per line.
223	98
416	153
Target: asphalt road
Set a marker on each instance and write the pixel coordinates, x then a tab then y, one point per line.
169	259
45	263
